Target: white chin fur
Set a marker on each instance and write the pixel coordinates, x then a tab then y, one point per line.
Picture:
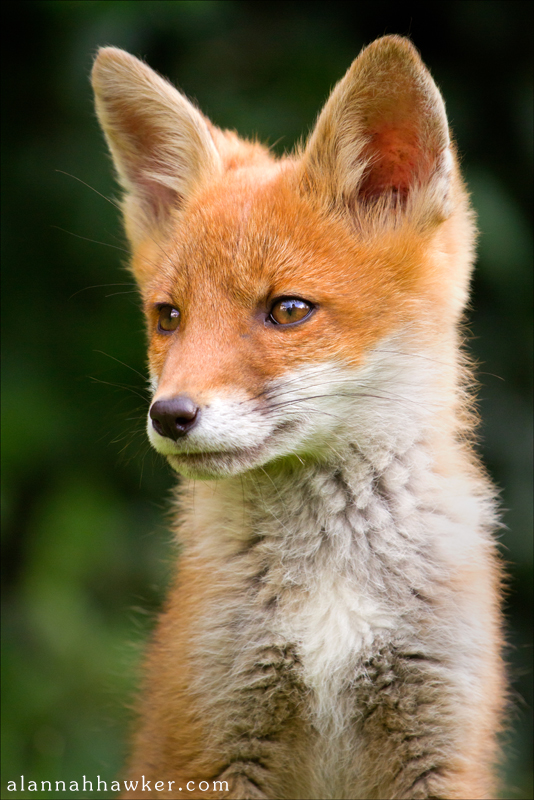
309	411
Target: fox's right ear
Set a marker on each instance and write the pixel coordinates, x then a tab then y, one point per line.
382	139
160	143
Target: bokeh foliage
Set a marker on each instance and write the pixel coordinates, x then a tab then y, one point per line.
85	549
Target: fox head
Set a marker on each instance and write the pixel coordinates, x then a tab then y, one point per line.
293	305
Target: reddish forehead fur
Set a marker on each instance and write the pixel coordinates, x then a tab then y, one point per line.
255	235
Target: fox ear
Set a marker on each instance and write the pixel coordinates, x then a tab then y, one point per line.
160	143
383	136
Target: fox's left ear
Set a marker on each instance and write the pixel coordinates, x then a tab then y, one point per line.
161	144
383	136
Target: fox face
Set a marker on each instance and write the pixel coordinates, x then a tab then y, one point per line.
257	350
291	300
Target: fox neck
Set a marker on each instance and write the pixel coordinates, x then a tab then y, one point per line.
356	511
327	509
333	557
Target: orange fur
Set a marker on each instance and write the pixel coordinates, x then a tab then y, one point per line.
370	224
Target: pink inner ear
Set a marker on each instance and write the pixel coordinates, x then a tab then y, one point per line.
397	161
159	198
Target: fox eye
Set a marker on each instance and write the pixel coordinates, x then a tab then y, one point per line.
168	319
290	309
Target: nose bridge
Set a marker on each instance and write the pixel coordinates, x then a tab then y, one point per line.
205	358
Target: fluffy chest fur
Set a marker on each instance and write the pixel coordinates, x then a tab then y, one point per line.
333	560
327	575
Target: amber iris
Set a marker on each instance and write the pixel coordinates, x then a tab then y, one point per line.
289	309
168	319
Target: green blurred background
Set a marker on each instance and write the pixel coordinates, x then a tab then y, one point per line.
85	550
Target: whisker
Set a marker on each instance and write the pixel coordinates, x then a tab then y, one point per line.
115	294
115	205
105	244
118	386
103	196
102	352
419	355
99	286
128	436
313	410
89	239
288	381
336	394
305	387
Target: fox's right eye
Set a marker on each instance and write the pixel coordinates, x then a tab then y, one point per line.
168	319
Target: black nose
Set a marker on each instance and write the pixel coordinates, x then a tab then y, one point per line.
175	417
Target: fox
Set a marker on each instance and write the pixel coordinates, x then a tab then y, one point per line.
334	624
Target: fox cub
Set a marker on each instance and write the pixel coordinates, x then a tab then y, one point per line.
333	630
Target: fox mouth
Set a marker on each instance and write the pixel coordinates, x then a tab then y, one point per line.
214	463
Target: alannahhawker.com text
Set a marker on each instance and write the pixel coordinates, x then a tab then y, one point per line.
142	785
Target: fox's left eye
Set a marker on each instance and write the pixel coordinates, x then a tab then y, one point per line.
290	309
168	319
